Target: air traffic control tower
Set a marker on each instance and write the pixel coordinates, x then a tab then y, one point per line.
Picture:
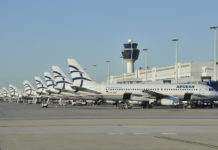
130	54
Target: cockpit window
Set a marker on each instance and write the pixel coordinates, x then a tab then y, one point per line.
210	89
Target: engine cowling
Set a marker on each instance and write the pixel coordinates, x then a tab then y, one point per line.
135	102
168	101
140	98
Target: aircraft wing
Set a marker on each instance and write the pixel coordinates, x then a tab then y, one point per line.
157	95
153	94
163	99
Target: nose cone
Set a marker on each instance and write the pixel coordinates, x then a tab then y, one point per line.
216	94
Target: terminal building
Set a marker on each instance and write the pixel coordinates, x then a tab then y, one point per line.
187	72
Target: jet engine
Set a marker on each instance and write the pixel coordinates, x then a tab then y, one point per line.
167	101
140	99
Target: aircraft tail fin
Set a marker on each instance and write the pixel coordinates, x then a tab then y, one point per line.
62	81
5	92
1	93
49	80
40	85
79	77
13	90
28	88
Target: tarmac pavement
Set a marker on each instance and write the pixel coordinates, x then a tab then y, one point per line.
30	127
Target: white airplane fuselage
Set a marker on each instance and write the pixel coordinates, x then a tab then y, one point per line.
117	91
167	94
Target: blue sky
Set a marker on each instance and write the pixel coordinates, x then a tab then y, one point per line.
34	35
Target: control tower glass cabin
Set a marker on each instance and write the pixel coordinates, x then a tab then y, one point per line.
130	54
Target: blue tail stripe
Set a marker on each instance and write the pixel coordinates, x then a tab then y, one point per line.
47	77
49	85
58	76
81	78
63	82
71	66
75	71
57	73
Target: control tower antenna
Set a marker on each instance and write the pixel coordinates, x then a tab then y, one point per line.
130	54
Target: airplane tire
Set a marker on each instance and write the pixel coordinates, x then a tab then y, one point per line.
151	105
212	105
145	104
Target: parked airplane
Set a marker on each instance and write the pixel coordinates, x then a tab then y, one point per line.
63	83
164	94
53	90
14	92
49	89
52	86
5	92
30	92
64	86
50	83
29	89
46	94
40	85
1	94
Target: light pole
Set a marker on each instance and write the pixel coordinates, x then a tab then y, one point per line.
108	70
95	70
122	69
146	62
215	70
176	40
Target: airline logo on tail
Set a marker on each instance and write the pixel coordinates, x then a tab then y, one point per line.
5	92
28	88
41	88
12	90
78	74
1	93
49	81
39	85
60	78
